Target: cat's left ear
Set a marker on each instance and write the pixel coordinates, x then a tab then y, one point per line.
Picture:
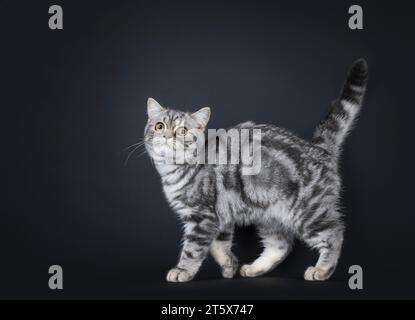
202	117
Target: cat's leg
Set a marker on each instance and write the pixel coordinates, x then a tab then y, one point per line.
327	238
199	232
277	245
222	253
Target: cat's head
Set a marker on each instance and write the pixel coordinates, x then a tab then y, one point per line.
172	135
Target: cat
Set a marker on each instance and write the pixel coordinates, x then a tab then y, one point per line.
295	194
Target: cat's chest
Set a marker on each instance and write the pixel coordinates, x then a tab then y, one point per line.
175	196
177	179
175	192
174	180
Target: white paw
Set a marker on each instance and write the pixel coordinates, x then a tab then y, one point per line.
229	270
316	274
248	270
179	275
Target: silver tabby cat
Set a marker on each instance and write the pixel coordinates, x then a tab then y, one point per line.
295	194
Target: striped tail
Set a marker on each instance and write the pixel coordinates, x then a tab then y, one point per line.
332	131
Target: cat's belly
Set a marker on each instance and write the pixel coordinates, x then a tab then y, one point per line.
232	207
278	213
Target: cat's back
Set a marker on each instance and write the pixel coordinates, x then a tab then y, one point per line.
279	140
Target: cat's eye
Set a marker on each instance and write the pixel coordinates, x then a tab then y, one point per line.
159	126
182	131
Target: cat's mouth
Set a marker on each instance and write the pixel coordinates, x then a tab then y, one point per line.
163	147
169	148
170	142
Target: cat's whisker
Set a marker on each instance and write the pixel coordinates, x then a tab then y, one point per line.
140	143
130	154
143	152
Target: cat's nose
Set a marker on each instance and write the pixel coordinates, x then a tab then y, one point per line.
167	135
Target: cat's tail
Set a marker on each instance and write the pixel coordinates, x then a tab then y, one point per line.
332	131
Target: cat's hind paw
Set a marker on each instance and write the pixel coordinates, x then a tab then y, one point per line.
316	274
250	270
229	270
179	275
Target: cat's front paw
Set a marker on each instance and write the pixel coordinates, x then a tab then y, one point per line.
179	275
230	268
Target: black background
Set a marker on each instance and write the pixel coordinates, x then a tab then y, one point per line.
72	100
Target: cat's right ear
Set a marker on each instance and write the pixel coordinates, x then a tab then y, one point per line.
153	108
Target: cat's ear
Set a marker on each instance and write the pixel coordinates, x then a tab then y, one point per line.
153	108
202	117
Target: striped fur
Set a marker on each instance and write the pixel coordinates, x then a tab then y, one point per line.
332	131
295	195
